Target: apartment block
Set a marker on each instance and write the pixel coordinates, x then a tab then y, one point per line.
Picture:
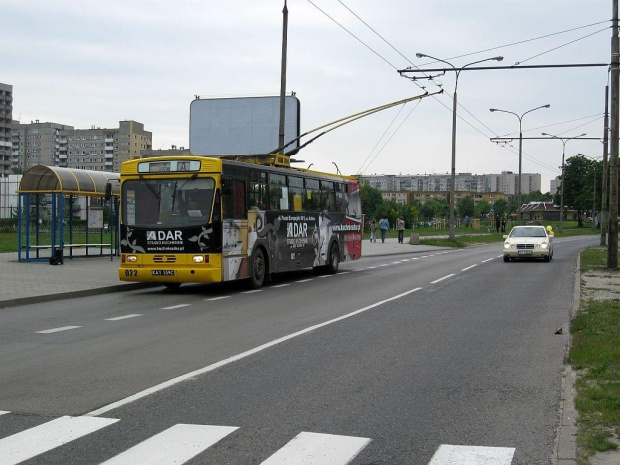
99	149
505	182
6	118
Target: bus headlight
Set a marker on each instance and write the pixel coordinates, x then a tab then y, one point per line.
198	259
132	258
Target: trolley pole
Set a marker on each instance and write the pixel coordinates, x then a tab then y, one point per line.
605	187
612	246
283	76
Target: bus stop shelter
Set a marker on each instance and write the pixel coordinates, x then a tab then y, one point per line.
63	210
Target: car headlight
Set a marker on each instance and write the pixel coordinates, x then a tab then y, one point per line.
508	245
542	245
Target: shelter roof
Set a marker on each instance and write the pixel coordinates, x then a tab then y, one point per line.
46	179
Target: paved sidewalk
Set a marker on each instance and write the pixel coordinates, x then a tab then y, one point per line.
30	282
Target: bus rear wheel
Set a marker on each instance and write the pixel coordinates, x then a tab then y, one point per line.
334	259
258	268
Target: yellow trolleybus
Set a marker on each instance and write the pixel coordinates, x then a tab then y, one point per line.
192	219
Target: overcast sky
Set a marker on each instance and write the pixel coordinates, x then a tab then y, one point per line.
85	62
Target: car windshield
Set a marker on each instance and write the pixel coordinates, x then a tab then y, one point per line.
167	202
528	232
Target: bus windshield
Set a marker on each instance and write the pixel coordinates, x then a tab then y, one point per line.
167	202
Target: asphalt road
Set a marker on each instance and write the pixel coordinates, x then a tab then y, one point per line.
386	361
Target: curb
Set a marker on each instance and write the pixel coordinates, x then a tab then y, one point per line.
565	447
36	299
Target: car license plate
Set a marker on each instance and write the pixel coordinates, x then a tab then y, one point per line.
162	272
525	252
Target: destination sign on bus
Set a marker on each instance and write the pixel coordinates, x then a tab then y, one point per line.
168	166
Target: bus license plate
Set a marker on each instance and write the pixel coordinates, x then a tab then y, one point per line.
162	272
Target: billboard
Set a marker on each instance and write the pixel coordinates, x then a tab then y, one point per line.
241	126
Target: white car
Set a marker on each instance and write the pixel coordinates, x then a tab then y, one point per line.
528	242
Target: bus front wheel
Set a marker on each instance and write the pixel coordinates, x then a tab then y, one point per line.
258	269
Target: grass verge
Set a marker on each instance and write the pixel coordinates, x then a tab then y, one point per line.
595	356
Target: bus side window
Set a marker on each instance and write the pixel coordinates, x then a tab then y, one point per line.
340	197
278	192
327	196
296	193
258	190
313	195
234	200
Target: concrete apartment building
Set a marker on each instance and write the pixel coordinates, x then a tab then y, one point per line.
6	117
98	149
506	182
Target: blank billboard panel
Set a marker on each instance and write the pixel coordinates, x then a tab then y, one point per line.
241	126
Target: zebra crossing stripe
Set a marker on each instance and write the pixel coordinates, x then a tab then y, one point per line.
318	449
175	445
34	441
471	455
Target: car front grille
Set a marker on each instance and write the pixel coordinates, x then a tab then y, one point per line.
525	246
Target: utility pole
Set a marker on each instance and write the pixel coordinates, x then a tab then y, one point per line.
283	76
605	195
612	246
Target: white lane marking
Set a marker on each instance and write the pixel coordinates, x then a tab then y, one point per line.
242	355
371	267
219	298
500	256
177	444
405	260
281	285
2	412
471	455
359	269
487	260
424	256
326	276
318	449
252	292
385	264
172	307
57	330
468	268
441	279
34	441
124	317
343	272
304	280
396	263
416	258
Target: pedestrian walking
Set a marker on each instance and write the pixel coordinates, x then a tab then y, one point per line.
373	231
384	225
400	226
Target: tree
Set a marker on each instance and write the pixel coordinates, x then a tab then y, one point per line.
482	209
465	206
578	183
434	208
500	207
371	201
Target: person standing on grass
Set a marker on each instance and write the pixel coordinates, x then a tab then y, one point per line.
384	225
400	226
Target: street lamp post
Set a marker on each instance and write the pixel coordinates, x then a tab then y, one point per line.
520	117
564	140
454	103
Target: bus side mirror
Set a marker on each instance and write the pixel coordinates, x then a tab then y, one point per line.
108	191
